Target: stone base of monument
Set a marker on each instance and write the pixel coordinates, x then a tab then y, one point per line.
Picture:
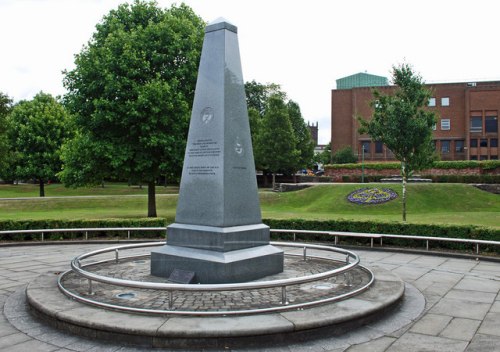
47	302
218	255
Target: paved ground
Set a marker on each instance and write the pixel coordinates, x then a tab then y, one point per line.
462	308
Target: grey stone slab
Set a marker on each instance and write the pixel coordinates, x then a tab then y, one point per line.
116	322
482	343
472	296
495	308
411	273
461	265
419	342
31	345
475	284
12	340
491	324
225	326
461	309
431	324
461	329
214	267
428	261
378	345
7	329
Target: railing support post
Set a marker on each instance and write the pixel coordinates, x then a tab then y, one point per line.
477	248
116	256
91	291
170	299
347	259
304	253
284	300
427	245
86	235
371	242
43	238
128	234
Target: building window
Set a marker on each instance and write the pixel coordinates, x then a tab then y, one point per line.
483	143
473	143
366	146
494	157
483	157
494	142
379	147
476	124
445	146
491	124
459	146
432	101
473	157
445	101
445	124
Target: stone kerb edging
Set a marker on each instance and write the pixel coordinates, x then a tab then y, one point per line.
48	303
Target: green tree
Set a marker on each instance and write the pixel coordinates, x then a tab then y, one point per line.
37	129
131	92
257	95
403	123
275	144
5	109
344	156
304	143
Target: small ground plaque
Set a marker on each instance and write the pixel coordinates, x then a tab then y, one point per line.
181	276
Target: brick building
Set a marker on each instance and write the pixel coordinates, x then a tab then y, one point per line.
467	118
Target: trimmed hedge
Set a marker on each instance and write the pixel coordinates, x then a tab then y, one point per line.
462	164
396	228
449	231
6	225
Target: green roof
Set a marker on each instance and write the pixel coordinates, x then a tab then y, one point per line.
361	80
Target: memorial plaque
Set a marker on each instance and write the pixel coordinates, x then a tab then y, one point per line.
181	276
218	231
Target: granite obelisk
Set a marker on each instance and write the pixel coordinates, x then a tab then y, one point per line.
218	232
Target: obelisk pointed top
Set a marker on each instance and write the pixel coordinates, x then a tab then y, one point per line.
220	23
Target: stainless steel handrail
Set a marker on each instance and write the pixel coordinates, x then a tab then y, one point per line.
335	234
77	267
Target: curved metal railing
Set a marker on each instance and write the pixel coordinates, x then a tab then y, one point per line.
79	268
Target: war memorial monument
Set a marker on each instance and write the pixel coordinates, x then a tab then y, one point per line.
217	282
218	232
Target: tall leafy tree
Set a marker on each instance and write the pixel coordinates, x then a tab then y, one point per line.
257	95
276	143
37	129
402	122
304	143
5	109
132	91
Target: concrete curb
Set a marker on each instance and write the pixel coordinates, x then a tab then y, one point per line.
49	304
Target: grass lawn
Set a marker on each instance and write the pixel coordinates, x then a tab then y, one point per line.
427	203
58	190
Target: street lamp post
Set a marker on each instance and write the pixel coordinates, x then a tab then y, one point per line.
362	163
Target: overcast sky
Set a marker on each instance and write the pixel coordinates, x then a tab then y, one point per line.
302	45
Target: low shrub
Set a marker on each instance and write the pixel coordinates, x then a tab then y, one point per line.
396	228
6	225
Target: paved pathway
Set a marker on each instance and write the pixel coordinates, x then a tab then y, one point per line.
462	310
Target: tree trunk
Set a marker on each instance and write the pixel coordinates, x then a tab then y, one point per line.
151	199
274	180
42	188
404	177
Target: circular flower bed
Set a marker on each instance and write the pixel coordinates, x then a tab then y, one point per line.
371	195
